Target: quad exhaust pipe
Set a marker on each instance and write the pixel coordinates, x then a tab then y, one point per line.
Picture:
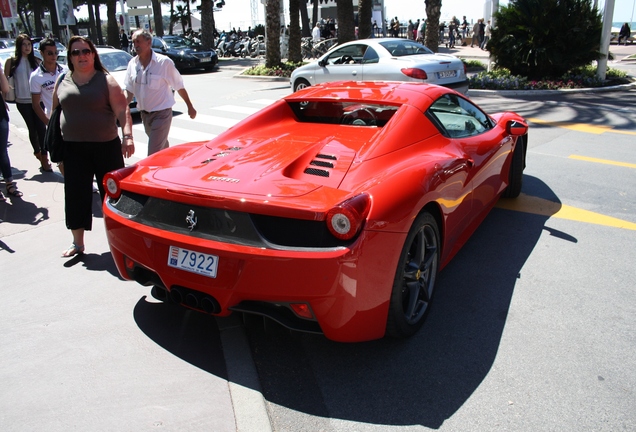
189	298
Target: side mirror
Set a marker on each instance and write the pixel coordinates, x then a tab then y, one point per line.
516	128
322	63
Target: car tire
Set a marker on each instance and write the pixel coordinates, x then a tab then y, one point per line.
300	84
517	164
415	277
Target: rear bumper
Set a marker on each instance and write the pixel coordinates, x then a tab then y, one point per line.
347	289
461	87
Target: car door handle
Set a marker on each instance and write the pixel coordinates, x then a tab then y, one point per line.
455	167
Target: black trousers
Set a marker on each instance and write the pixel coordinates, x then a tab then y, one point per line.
82	162
36	128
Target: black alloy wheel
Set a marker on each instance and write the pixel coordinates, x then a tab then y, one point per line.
415	277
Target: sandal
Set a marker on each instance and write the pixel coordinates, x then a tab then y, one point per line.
12	190
73	250
43	157
2	197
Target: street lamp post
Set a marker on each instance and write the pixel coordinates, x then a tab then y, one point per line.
605	39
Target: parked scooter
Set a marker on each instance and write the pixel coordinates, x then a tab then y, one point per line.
257	46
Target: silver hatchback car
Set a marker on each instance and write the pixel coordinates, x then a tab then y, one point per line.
383	59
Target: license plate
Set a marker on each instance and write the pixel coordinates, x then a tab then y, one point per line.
447	74
205	59
192	261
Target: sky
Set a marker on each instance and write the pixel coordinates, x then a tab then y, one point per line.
237	13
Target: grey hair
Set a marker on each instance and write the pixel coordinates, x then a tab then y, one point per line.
143	33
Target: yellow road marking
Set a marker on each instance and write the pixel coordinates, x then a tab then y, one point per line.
535	205
582	127
603	161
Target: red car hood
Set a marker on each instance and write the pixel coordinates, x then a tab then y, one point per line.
289	165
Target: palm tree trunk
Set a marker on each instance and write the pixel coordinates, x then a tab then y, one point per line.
433	12
91	21
156	11
207	24
112	27
98	19
346	26
272	58
294	54
365	11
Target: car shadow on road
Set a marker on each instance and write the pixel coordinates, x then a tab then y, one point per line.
189	335
423	380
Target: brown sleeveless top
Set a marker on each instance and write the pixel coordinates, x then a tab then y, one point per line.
86	112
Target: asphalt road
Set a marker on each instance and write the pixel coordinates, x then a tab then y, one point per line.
532	328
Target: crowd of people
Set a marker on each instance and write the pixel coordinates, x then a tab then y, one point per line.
94	109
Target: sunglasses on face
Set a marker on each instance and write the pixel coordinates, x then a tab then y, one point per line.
51	53
77	52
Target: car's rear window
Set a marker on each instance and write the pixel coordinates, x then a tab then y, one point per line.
345	113
403	47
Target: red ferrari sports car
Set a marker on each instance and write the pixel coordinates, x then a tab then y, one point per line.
330	211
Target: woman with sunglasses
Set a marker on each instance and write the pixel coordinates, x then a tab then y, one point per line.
92	104
20	68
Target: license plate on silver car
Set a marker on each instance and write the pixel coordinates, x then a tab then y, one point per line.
195	262
447	74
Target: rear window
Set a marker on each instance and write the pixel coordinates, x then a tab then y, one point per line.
403	47
345	113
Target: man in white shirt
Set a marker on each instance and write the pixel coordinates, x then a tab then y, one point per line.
150	78
42	80
315	33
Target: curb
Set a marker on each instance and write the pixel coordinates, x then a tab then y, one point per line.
480	92
250	408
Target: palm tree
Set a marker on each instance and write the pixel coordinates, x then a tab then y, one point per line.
112	27
295	54
433	12
208	26
272	58
156	11
181	16
346	25
365	11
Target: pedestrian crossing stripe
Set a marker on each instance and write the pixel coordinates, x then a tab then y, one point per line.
263	101
236	109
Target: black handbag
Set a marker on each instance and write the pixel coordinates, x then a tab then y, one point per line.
53	141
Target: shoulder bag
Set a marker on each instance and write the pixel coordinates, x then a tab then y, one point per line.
53	140
11	95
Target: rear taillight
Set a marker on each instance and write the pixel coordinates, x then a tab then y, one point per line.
345	220
113	178
415	73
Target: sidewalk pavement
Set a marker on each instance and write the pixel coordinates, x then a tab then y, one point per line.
84	349
619	52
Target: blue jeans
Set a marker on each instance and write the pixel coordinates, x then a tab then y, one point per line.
5	163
